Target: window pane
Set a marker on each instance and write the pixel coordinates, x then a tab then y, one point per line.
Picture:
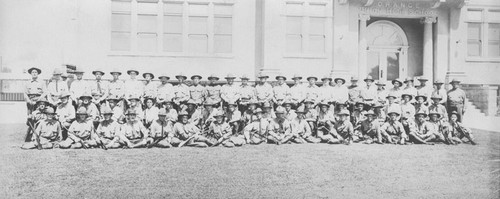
294	8
120	22
494	32
172	24
317	25
474	31
473	48
317	43
147	8
293	25
198	25
223	25
494	49
198	43
146	23
223	9
120	41
494	15
475	15
198	9
317	9
294	43
146	42
172	42
120	6
223	43
173	8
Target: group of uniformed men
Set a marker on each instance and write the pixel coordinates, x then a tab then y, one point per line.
146	113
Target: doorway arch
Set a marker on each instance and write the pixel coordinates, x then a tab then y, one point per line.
387	51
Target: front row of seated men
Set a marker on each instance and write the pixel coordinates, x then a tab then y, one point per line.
329	126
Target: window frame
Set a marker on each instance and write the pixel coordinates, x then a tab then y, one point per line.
484	34
160	52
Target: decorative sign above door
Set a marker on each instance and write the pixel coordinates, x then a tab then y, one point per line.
397	8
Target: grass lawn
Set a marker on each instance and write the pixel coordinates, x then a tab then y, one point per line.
285	171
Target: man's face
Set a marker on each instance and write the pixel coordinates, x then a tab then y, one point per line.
324	108
406	98
115	76
454	85
326	82
79	76
281	81
360	106
259	115
370	118
86	100
262	80
64	100
162	117
438	86
230	81
420	100
180	79
212	80
184	119
51	116
133	75
131	117
420	118
219	119
251	107
163	80
393	116
112	103
397	84
339	82
34	73
196	81
191	106
149	103
280	116
343	117
301	116
244	81
168	105
434	117
82	117
288	107
268	109
409	83
435	100
296	81
57	77
308	105
369	82
98	76
391	99
354	82
232	108
311	81
107	116
454	118
133	102
423	82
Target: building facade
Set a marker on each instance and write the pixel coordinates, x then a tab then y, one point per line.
387	39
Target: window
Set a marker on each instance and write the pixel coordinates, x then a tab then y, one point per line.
305	27
483	33
165	27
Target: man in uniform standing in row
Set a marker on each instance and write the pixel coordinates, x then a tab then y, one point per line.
456	100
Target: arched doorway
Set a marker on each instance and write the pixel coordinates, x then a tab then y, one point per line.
387	50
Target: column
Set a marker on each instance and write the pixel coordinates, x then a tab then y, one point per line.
362	45
428	47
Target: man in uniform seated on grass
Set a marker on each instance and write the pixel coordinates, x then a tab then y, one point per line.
47	134
280	130
133	134
80	131
187	132
343	129
107	130
457	131
256	131
393	128
301	129
439	127
160	132
220	132
422	131
369	129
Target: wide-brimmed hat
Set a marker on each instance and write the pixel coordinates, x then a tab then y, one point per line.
196	76
162	112
262	75
438	81
368	78
34	68
181	75
112	98
97	70
393	111
105	110
323	103
370	112
146	73
454	113
326	77
344	112
421	113
81	111
115	70
266	105
230	76
131	112
280	110
287	102
219	113
339	78
315	78
163	75
391	94
408	79
257	110
213	76
300	110
57	71
454	80
377	105
132	70
296	76
49	110
434	113
397	80
436	96
354	78
245	76
64	94
85	95
134	97
423	78
183	113
406	94
308	100
191	101
280	76
380	83
420	95
42	100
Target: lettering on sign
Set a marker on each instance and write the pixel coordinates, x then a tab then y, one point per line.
399	8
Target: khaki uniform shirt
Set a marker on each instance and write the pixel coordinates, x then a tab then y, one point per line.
108	129
264	92
183	131
230	93
49	129
213	93
159	129
197	93
116	89
82	130
134	130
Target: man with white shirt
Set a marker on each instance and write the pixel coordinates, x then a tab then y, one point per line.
280	91
56	87
78	87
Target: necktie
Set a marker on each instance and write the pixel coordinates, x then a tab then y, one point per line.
99	86
57	87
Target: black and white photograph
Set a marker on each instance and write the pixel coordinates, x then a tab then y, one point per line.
250	99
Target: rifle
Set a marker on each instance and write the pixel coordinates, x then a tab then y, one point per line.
29	132
187	140
157	140
37	137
